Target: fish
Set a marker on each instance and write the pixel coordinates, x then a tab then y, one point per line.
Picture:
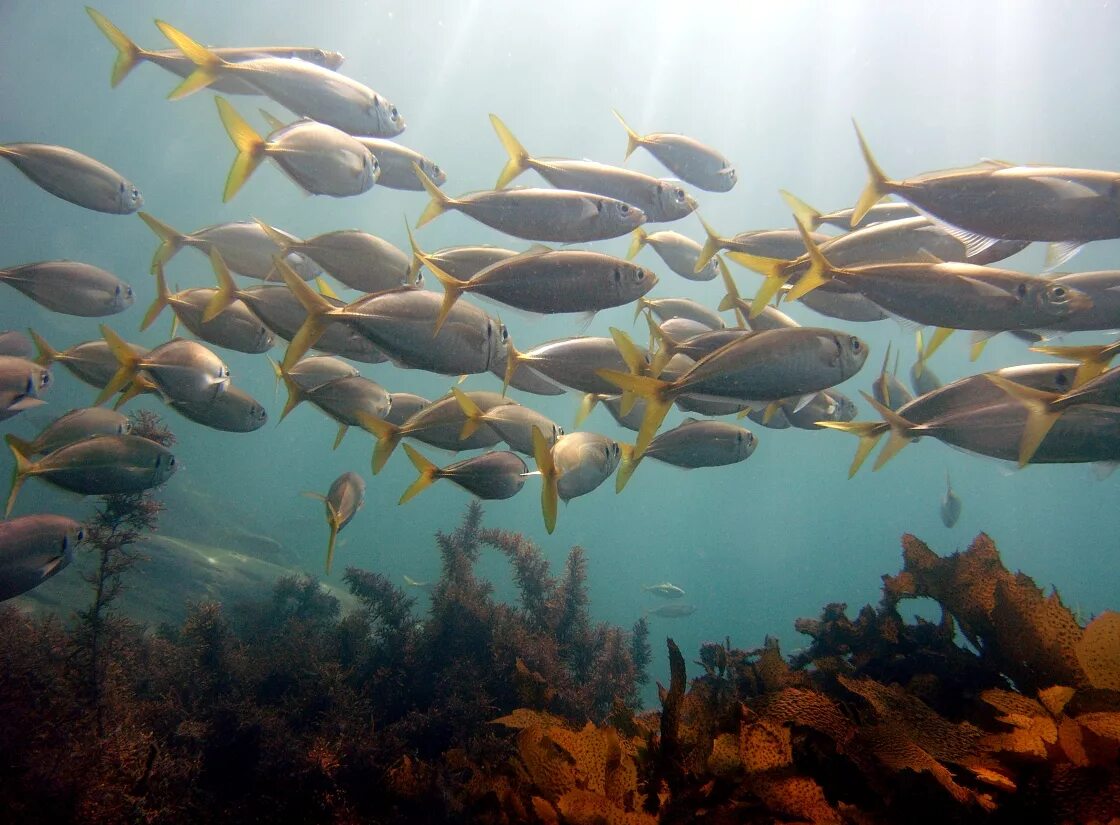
129	55
74	426
34	548
922	379
15	343
758	316
342	399
179	369
319	158
244	246
403	405
70	287
950	504
785	244
309	90
231	411
342	502
552	215
813	219
102	465
667	308
236	327
1103	287
665	590
396	165
574	466
462	262
402	323
672	611
659	200
692	444
491	476
420	585
687	158
886	387
574	362
22	382
74	177
92	362
995	200
308	374
829	405
761	366
513	423
549	282
679	253
359	260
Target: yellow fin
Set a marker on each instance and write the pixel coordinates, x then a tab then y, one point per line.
627	464
900	428
977	348
658	395
868	432
452	287
519	159
295	392
542	454
804	213
250	146
128	53
712	244
1041	414
471	410
439	203
171	240
333	524
23	468
206	61
637	241
160	301
45	354
878	187
429	472
633	139
281	240
341	434
388	436
317	309
1094	360
127	360
940	334
586	405
820	270
325	289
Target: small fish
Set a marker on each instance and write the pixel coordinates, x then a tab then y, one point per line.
886	387
574	466
74	177
659	200
766	243
491	476
396	165
513	423
231	411
342	502
320	159
687	158
692	444
244	246
90	361
672	611
462	262
75	425
34	548
173	60
677	251
665	590
101	465
552	215
923	380
574	362
950	504
830	405
15	343
180	370
420	585
668	308
305	88
70	287
236	327
359	260
308	374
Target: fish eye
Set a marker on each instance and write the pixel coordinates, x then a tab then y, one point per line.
44	379
436	170
171	461
641	274
856	345
80	536
128	292
624	208
599	207
393	113
117	291
679	193
320	56
1058	293
557	431
505	334
135	193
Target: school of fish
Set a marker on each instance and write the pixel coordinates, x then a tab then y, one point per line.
929	259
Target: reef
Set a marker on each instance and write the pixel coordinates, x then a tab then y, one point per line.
287	708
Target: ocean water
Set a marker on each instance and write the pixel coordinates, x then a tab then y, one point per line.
772	85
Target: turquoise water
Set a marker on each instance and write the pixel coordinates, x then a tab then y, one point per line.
773	86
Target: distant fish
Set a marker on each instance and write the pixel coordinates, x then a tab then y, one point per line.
342	399
342	502
462	262
668	308
70	287
950	504
672	611
419	585
687	158
677	251
319	158
34	548
174	61
495	475
665	590
74	177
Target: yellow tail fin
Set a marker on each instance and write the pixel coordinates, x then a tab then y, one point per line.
388	436
429	472
251	148
128	53
206	61
227	289
712	244
318	308
127	359
295	393
820	270
804	213
626	465
439	203
160	302
868	432
637	241
452	287
23	467
471	410
45	354
518	158
333	522
878	187
586	405
542	454
901	431
635	362
658	395
171	240
633	139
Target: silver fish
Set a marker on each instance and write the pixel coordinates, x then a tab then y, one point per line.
513	423
692	444
232	411
574	362
687	158
679	253
665	590
574	466
359	260
666	308
403	405
396	165
813	219
22	382
90	361
342	502
314	371
464	262
950	504
34	548
15	343
70	287
236	327
672	611
490	476
180	370
74	177
74	426
345	400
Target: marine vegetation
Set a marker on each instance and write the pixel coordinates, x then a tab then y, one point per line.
1007	709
